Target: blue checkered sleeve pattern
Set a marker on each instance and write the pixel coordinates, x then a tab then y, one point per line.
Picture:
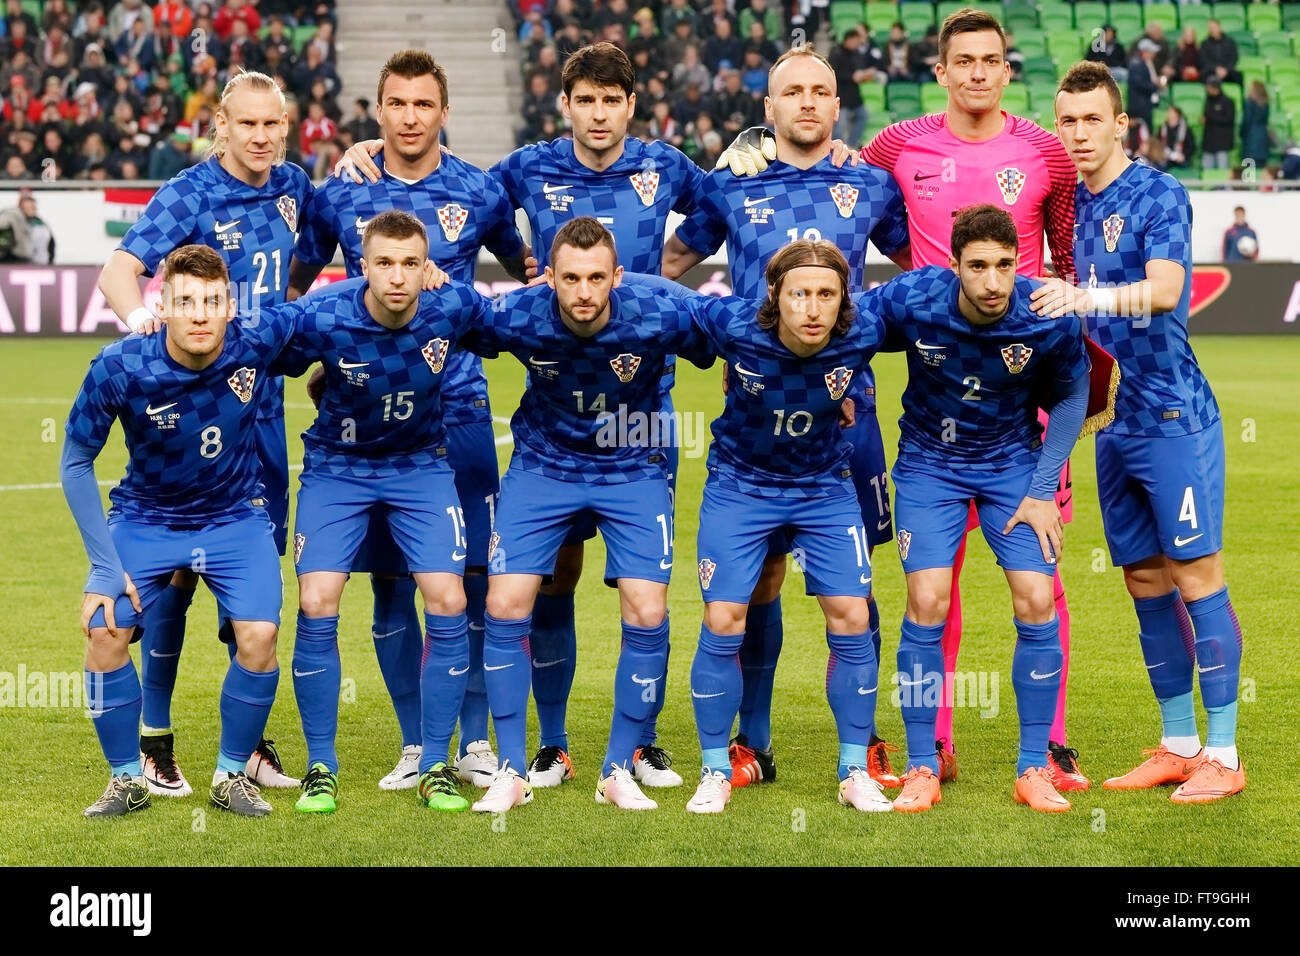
973	392
381	413
758	215
253	228
189	435
462	208
779	433
591	411
1142	216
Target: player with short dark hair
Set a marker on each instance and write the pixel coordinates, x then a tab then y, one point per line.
979	364
192	497
463	209
243	201
802	194
1160	465
379	444
590	437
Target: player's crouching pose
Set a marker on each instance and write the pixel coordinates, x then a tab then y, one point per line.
779	463
188	401
379	444
594	353
1160	466
980	363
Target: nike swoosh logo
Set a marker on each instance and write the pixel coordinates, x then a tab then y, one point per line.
917	177
150	410
456	673
883	524
864	579
298	673
707	696
499	667
536	361
475	627
928	348
1037	676
1179	542
225	226
346	365
665	565
1152	667
154	653
362	223
645	680
376	636
745	371
458	555
863	690
548	188
755	202
558	660
1206	670
133	803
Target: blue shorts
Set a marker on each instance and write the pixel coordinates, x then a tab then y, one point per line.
736	528
931	504
537	513
236	559
419	508
472	454
584	529
1161	495
273	455
870	474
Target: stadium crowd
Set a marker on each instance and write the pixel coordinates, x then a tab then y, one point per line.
702	70
119	91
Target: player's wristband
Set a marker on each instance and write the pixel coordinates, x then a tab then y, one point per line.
138	317
1104	301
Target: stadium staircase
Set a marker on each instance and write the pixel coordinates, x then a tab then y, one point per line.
473	40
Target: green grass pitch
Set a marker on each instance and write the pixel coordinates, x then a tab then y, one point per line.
55	767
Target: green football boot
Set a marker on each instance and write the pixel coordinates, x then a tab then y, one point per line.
320	790
437	790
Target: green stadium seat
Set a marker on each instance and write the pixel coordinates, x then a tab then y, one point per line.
1284	73
1042	69
1245	40
873	96
1232	16
1165	14
1055	14
946	7
1015	99
1197	16
301	34
1276	46
881	15
916	17
1291	16
845	15
1253	66
934	98
1264	17
1020	18
1190	98
1064	45
1030	44
903	96
1042	98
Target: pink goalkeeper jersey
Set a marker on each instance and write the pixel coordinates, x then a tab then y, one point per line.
1024	170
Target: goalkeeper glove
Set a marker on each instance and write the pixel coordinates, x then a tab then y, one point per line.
750	152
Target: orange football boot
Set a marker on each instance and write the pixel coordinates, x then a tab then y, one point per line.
1211	781
748	764
878	764
1160	767
920	791
1034	787
1063	768
947	762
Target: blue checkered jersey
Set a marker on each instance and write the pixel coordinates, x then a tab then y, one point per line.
591	408
463	209
192	458
381	413
757	215
1144	215
973	392
252	228
779	432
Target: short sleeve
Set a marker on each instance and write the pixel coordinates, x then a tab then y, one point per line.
1168	233
508	172
97	404
688	195
1070	354
318	238
168	221
502	236
890	234
705	229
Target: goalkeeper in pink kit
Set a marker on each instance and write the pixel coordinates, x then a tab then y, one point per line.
971	154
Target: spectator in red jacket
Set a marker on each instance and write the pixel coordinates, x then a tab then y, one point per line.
175	14
234	10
